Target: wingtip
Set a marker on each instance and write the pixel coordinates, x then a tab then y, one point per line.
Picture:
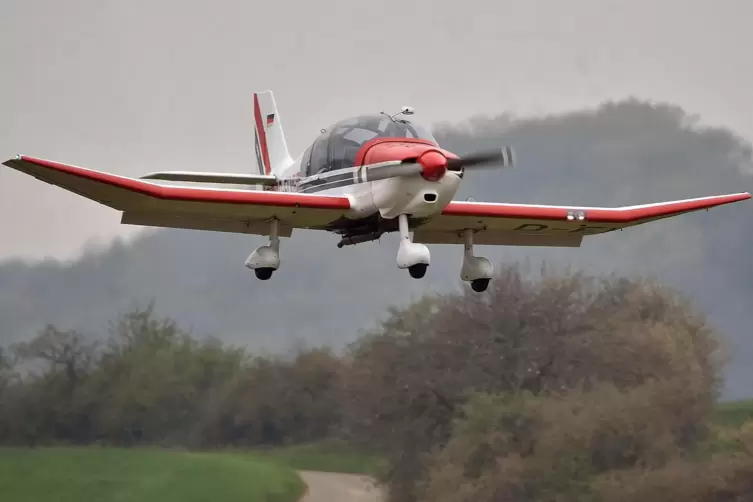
733	197
10	162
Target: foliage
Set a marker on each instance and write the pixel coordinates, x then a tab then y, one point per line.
528	447
541	334
153	383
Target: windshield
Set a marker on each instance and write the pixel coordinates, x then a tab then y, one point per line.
359	130
338	147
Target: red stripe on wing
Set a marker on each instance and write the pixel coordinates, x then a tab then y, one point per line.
662	209
602	215
265	198
481	210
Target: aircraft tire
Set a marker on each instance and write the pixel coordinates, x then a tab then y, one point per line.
480	285
418	271
264	274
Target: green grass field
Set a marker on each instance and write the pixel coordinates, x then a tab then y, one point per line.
109	475
734	413
144	475
727	421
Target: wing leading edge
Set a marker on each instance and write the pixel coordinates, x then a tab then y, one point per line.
225	210
561	226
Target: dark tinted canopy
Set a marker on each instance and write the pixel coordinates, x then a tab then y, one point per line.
338	146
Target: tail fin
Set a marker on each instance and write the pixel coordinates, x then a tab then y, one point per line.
271	149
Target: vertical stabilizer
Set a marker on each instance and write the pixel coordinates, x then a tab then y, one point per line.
271	149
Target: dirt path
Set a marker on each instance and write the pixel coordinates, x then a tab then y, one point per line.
333	487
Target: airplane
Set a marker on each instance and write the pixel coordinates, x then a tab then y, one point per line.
360	178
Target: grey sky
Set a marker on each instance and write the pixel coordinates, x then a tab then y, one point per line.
135	86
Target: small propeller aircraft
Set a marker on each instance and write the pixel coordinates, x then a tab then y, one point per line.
361	178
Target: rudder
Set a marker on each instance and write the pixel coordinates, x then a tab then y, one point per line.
271	148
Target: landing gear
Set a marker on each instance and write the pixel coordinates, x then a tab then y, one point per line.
266	259
413	256
264	274
418	271
480	285
476	269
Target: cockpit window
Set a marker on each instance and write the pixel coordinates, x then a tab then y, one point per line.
359	135
338	147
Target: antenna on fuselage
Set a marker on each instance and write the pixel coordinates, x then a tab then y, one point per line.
406	110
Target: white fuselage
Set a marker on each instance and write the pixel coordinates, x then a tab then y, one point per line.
415	196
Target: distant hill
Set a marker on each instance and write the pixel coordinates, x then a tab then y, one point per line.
628	152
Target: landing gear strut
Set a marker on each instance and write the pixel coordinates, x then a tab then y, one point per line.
413	256
266	259
475	269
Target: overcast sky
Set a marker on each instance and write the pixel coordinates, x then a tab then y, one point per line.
135	86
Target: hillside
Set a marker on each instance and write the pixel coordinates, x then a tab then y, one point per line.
624	153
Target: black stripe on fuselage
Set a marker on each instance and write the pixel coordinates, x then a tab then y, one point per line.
344	177
320	180
326	186
333	179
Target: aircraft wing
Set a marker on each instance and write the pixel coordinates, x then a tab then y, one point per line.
561	226
223	210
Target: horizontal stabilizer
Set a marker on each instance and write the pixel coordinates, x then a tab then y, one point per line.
224	178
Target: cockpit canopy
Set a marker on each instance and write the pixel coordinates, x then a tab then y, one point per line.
338	146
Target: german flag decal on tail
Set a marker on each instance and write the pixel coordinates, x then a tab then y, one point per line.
271	147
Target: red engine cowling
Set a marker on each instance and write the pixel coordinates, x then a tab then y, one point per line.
433	158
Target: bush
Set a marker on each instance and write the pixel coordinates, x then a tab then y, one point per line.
722	477
529	448
537	334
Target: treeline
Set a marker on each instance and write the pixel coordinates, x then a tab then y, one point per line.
553	386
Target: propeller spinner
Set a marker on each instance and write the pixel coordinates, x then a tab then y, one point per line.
432	165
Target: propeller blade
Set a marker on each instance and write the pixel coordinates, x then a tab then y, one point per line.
503	156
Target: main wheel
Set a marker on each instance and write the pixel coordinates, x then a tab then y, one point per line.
263	274
418	271
480	285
